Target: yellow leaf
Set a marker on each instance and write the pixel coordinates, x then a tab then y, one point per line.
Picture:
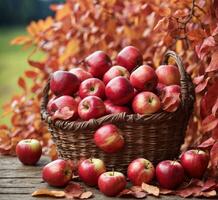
47	192
63	12
71	49
179	46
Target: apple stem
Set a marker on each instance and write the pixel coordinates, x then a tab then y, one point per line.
91	159
112	171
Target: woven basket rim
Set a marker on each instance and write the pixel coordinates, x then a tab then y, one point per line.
187	92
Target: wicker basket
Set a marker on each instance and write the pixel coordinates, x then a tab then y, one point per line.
155	137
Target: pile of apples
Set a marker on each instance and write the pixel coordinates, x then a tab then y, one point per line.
128	86
169	174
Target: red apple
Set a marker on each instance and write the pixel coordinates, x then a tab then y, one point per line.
119	90
111	183
77	99
170	174
91	107
89	170
114	72
170	98
130	58
114	109
144	78
168	75
64	107
98	63
57	173
29	151
140	171
92	87
64	83
195	163
109	138
159	88
146	103
49	104
81	74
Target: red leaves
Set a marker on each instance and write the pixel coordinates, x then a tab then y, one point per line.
134	191
205	47
31	74
214	156
150	189
209	123
36	64
22	83
207	144
75	190
213	66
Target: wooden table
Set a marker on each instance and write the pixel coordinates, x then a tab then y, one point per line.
17	181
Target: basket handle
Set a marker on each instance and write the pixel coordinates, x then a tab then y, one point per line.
44	102
187	87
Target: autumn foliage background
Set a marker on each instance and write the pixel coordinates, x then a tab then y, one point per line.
79	27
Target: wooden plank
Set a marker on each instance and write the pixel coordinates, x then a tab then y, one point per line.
23	197
14	163
21	182
20	173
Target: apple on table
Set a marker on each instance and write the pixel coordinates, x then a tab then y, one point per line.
111	183
90	169
57	173
29	151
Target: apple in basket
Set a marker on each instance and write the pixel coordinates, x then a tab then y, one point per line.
64	107
130	58
195	162
168	75
92	87
114	72
64	83
91	107
144	78
109	138
81	74
119	90
57	173
113	109
111	183
90	169
170	174
29	151
140	171
146	103
98	63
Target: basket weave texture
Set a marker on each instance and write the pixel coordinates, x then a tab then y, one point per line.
155	137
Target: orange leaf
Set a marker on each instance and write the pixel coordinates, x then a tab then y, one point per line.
47	192
151	189
22	83
31	74
20	40
162	24
39	65
86	195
